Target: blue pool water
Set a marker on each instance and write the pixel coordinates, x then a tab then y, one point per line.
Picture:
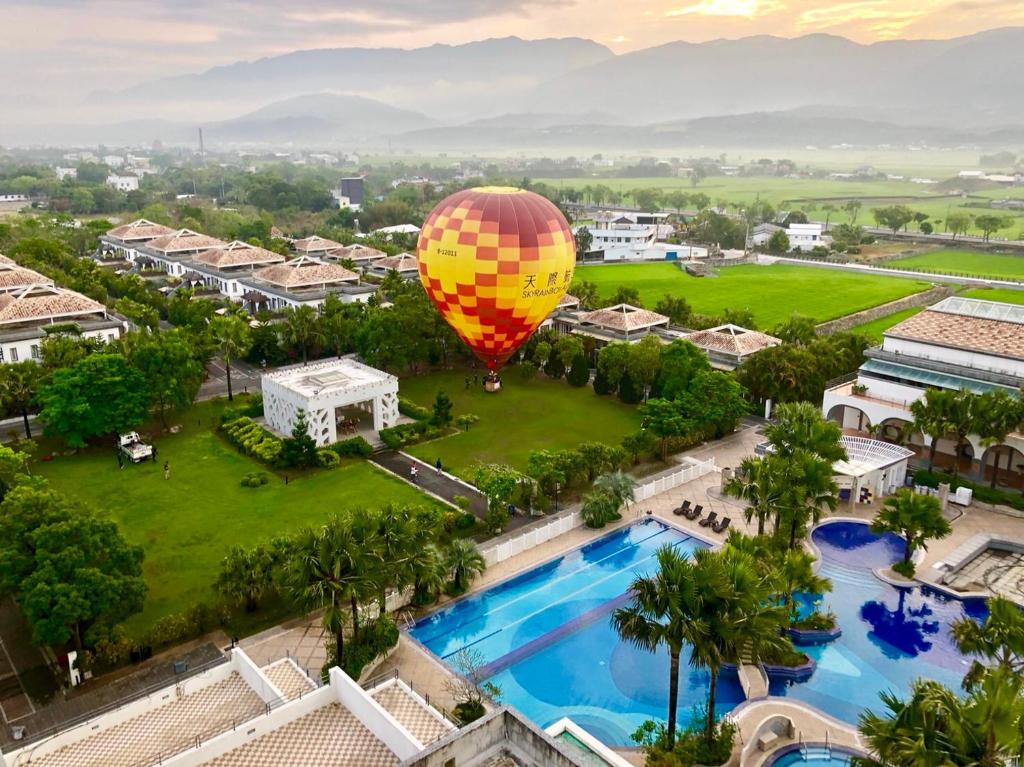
813	757
547	638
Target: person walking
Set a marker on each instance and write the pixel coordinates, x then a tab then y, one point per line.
153	454
167	470
437	465
413	473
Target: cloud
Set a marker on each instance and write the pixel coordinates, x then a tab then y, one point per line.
746	8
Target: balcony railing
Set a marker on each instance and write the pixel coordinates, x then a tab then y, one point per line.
937	366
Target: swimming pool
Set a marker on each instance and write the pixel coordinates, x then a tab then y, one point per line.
813	756
547	640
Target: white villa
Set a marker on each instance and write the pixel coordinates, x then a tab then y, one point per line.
315	245
126	240
406	264
622	322
959	343
223	268
333	393
804	237
361	255
303	281
729	346
171	253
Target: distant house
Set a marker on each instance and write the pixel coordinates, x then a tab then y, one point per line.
388	232
406	264
63	173
614	323
762	233
125	240
171	253
29	314
807	236
314	245
223	268
361	255
304	281
123	183
728	346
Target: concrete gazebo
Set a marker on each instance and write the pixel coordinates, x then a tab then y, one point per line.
322	389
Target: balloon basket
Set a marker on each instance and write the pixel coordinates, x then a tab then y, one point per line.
492	383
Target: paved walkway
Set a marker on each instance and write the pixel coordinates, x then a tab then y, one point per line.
441	484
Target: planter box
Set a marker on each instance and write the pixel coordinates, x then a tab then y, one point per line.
810	637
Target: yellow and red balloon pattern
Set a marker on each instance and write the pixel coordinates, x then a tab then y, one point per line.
495	261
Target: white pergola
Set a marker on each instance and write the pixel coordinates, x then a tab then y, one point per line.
320	388
872	469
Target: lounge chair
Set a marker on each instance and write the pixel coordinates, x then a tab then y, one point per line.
709	520
721	525
682	511
697	511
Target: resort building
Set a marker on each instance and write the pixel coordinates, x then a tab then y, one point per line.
314	245
171	253
620	237
304	281
126	240
406	264
802	237
29	314
728	346
222	269
959	343
14	277
341	398
399	230
614	323
360	255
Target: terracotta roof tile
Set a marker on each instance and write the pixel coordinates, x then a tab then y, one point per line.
139	230
14	276
183	240
732	339
304	271
403	262
356	252
623	317
44	302
238	253
5	260
315	244
960	331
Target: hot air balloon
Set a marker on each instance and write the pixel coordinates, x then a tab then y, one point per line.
495	261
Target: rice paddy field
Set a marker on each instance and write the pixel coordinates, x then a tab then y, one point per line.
1006	295
772	293
995	265
875	328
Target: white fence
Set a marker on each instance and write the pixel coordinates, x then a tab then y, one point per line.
669	481
538	535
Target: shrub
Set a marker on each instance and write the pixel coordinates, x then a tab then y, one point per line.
465	521
469	711
906	569
356	447
374	639
629	392
255	479
252	439
397	437
409	408
982	493
327	458
601	383
579	373
816	622
461	501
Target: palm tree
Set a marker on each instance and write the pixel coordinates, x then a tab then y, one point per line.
246	575
809	488
405	538
18	384
619	485
931	419
231	337
327	569
936	728
1000	639
431	573
300	328
661	612
997	414
918	518
963	416
758	482
800	426
598	509
464	562
796	576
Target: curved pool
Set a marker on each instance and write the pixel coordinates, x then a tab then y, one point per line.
818	755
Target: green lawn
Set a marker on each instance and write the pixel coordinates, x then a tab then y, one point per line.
875	328
186	524
999	266
531	412
772	293
1006	295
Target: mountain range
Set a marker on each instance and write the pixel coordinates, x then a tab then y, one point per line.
564	93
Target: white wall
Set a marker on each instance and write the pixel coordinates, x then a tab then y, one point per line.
962	357
256	679
29	348
373	716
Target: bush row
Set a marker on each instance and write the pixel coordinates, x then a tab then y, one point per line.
356	447
982	493
169	630
410	409
397	437
252	439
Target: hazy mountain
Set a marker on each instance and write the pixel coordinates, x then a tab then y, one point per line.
960	81
448	82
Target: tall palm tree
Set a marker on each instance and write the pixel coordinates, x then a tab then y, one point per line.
918	518
999	639
300	328
758	481
18	385
796	576
937	728
662	612
800	426
464	561
930	418
810	488
232	338
963	416
997	414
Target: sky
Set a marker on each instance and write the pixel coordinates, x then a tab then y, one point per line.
55	51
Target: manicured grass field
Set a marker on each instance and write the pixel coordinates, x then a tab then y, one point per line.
187	524
875	328
1006	295
996	265
531	412
772	293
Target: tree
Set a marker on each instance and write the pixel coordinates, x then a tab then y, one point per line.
931	418
554	367
442	409
466	420
798	329
586	292
583	240
958	223
918	518
168	364
644	361
464	562
629	391
714	403
598	509
852	208
618	485
809	488
638	443
625	294
579	373
779	242
679	363
101	394
299	449
988	224
759	482
232	338
676	308
601	383
664	419
997	414
18	385
999	639
829	209
894	217
498	482
300	328
962	413
246	575
612	361
800	426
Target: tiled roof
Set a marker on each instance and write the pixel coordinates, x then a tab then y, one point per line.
139	230
14	276
568	301
238	253
287	677
356	252
623	317
5	260
329	736
413	714
184	239
403	262
41	302
960	331
732	339
315	244
304	271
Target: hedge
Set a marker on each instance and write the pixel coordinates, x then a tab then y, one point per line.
405	434
327	458
982	493
252	439
409	408
356	447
